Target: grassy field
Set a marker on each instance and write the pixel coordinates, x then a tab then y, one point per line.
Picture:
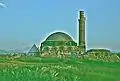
54	69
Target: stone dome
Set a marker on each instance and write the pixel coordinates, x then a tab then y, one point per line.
59	36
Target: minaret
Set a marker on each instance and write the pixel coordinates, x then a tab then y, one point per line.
81	31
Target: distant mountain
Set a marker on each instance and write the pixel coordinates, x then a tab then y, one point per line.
4	52
22	50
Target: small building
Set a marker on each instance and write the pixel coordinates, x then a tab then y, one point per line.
34	51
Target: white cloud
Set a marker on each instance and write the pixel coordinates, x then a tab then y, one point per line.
3	5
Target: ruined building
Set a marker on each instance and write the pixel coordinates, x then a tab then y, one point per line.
60	43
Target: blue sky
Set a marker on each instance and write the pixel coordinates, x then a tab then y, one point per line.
26	22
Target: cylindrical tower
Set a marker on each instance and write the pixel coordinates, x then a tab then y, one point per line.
81	30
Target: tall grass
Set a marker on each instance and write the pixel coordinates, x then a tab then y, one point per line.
56	69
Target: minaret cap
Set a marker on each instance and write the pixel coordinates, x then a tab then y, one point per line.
81	14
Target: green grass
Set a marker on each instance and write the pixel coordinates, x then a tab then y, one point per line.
55	69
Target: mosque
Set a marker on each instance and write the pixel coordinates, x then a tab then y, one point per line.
60	43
